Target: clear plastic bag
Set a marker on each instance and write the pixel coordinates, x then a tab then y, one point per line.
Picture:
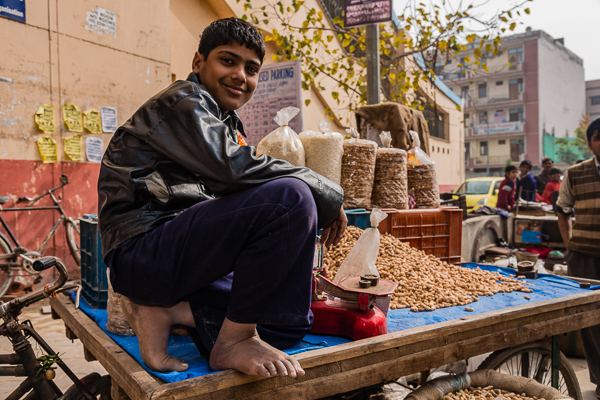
283	143
422	177
390	188
358	172
324	151
363	256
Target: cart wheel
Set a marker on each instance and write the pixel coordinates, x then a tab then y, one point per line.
6	271
534	360
99	387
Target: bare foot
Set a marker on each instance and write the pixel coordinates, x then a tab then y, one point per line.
238	346
151	325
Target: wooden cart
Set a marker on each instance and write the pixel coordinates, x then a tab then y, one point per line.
347	366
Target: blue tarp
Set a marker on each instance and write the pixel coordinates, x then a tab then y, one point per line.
546	287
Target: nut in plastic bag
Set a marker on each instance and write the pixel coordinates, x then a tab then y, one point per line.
422	176
324	151
283	143
363	256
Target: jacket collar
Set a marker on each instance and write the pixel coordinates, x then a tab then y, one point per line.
223	116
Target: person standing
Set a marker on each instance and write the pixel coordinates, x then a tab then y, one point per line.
552	186
580	191
526	184
508	188
543	177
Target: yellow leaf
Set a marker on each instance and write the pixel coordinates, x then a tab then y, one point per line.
307	102
526	11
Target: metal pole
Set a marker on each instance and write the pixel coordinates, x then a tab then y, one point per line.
487	123
373	71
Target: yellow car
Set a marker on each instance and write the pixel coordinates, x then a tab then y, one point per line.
480	192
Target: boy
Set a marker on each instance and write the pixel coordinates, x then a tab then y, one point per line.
526	182
552	186
508	187
198	231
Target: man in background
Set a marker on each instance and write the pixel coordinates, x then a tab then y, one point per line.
544	176
580	190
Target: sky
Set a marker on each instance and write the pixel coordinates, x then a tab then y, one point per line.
577	21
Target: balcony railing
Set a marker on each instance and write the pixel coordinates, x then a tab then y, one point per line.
482	160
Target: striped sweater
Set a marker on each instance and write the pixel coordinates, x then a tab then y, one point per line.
584	180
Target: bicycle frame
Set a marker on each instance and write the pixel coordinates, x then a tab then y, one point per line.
24	362
62	218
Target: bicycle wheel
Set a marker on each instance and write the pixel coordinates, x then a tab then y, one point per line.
72	233
534	360
99	387
6	271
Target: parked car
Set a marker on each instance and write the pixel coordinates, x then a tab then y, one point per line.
480	192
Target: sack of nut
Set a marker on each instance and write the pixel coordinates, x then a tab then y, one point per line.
283	143
421	175
390	185
358	172
324	151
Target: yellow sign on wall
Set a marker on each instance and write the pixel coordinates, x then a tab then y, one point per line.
73	147
47	148
91	121
44	118
72	117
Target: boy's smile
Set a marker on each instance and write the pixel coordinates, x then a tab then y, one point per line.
229	73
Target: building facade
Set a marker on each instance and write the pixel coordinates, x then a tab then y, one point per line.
592	99
533	87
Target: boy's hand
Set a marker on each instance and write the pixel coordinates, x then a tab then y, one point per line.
333	233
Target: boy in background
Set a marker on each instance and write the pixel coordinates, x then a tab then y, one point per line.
552	186
508	188
526	182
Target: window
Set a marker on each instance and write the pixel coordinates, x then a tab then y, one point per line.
464	92
483	118
467	121
502	141
516	114
515	86
595	100
499	83
436	121
475	187
515	57
483	147
482	90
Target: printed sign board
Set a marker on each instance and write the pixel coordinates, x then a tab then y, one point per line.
365	12
279	86
13	9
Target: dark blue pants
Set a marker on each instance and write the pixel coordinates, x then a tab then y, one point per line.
246	256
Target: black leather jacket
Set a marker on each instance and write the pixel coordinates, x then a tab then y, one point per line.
179	149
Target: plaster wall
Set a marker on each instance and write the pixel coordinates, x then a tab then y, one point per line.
561	89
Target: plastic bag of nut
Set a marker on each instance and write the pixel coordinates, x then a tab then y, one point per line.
363	256
283	143
421	175
358	172
324	151
390	184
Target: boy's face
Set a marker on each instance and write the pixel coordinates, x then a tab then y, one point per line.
230	74
513	174
555	177
524	170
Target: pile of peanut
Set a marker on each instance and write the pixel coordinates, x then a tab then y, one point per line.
487	393
425	283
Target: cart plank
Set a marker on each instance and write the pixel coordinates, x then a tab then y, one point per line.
356	364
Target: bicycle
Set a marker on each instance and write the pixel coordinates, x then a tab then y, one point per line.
11	249
38	384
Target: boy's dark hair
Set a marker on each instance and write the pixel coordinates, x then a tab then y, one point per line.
555	170
592	128
547	159
228	30
509	168
527	163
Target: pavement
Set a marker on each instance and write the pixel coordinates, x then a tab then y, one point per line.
53	332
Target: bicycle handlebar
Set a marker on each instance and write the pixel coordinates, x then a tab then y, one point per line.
15	305
64	180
